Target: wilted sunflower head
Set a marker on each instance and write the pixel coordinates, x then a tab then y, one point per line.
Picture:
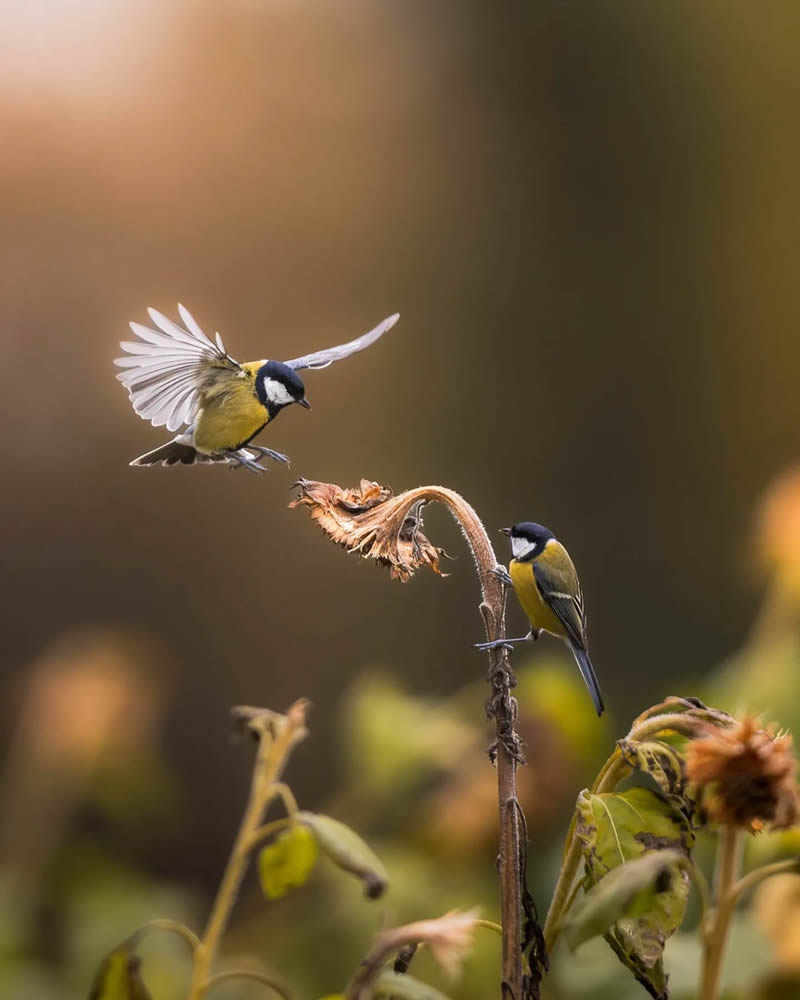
370	520
745	776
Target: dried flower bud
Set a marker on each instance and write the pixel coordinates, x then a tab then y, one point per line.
449	937
371	521
746	776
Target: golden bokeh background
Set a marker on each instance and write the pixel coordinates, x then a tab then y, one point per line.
588	217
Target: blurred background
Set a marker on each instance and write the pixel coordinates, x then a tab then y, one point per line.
588	218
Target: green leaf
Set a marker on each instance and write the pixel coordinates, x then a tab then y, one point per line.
118	977
286	863
347	850
629	890
616	828
389	984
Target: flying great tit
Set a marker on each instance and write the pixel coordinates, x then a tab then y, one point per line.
176	376
546	583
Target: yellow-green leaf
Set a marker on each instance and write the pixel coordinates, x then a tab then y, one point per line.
617	828
389	984
286	863
118	977
347	850
630	890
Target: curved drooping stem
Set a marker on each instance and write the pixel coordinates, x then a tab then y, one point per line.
502	707
375	524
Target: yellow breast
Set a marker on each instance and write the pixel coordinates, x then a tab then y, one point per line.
539	614
230	416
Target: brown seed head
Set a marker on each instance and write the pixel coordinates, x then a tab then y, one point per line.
371	521
746	776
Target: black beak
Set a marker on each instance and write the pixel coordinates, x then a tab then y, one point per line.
304	403
505	531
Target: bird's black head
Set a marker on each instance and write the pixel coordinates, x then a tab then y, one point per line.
278	385
528	539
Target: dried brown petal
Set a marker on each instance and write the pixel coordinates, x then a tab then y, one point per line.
371	521
746	776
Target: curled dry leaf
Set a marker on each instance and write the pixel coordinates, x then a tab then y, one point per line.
370	520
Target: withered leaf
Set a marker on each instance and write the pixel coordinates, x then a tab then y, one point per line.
370	520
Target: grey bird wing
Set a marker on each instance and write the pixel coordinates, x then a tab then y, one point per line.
321	359
558	584
167	370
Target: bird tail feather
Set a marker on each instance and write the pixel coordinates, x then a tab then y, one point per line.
181	451
174	452
589	676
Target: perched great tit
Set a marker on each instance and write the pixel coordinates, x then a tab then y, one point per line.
176	376
546	583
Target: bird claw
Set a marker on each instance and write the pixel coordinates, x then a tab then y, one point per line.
239	462
502	574
276	456
484	647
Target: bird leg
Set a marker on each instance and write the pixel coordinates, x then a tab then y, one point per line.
263	452
505	643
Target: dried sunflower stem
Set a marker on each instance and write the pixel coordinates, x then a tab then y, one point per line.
374	523
277	735
716	933
502	706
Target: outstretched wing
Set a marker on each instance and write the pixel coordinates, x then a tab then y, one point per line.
167	369
558	584
324	358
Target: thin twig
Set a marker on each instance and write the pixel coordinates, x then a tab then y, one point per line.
171	927
562	894
287	796
716	938
277	736
751	879
267	830
257	977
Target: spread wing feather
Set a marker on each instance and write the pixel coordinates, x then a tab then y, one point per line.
167	369
321	359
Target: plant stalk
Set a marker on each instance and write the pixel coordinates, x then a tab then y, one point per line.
384	522
276	737
716	936
502	707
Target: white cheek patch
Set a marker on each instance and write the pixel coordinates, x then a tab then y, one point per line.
276	392
520	547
